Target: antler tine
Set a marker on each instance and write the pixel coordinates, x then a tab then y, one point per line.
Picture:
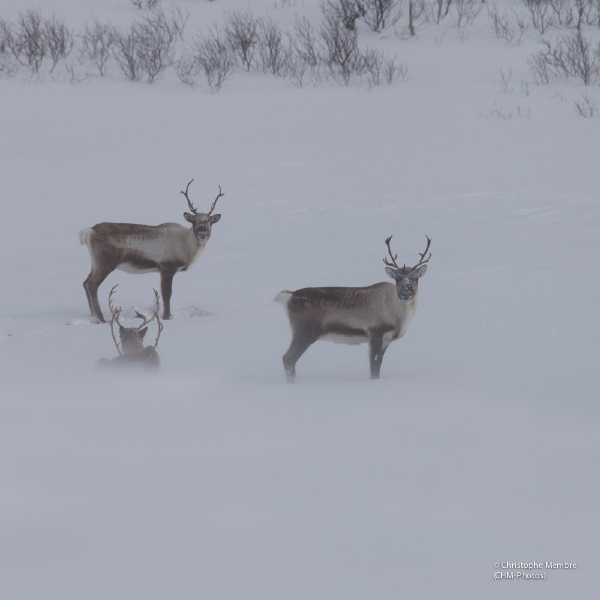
160	325
147	320
154	316
215	202
422	254
115	312
385	260
187	187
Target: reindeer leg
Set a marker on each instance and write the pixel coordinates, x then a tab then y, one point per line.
302	339
167	272
378	344
87	293
91	285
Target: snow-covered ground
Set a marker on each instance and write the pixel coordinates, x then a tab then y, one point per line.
215	479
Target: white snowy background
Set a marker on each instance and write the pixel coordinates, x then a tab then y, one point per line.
215	479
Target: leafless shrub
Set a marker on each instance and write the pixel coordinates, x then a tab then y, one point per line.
75	74
583	12
147	48
581	59
587	12
213	54
146	4
304	42
25	40
393	71
499	112
8	65
299	72
464	12
503	26
304	65
274	52
372	67
379	69
506	81
540	66
523	112
186	68
341	55
241	29
441	9
562	12
440	39
541	14
5	34
418	15
125	52
521	21
34	37
586	107
334	53
576	13
177	19
57	38
96	42
380	14
525	88
462	35
568	56
155	40
345	11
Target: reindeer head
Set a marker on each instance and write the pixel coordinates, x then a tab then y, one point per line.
201	222
132	338
407	278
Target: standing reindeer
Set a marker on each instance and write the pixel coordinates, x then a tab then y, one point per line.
166	249
378	314
131	349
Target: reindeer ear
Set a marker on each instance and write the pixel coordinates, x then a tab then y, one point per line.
215	219
391	272
188	217
421	270
122	330
143	332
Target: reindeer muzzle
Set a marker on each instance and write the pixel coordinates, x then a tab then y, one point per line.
407	292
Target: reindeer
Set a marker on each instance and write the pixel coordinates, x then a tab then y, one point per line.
131	349
166	249
377	314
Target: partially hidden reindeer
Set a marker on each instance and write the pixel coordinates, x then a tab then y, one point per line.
377	314
166	249
132	352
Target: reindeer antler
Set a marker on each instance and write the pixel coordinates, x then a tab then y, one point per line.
422	254
115	312
394	257
187	187
192	208
154	316
215	202
158	322
385	260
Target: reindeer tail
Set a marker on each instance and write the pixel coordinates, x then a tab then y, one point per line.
283	297
84	236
